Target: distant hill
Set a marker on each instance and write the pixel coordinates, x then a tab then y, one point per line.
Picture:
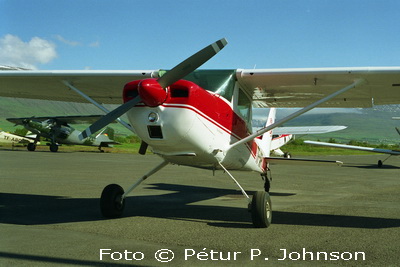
373	125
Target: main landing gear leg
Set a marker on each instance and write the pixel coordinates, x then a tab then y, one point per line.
112	201
260	205
267	181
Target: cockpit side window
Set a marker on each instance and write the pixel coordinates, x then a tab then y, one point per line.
244	106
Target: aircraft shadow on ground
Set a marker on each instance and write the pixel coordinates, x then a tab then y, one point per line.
25	209
39	260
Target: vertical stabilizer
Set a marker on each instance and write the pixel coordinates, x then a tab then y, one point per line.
106	135
266	138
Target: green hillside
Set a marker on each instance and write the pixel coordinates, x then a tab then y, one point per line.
373	126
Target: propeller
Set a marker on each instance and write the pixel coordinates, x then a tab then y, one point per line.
192	63
178	72
109	118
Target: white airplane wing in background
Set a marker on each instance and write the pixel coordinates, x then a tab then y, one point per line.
369	149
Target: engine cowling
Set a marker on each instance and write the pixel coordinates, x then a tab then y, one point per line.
149	90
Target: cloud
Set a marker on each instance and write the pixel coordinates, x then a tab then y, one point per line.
95	44
65	41
75	43
17	53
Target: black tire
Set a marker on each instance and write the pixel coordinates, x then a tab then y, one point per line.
380	163
31	147
111	203
261	209
287	155
53	148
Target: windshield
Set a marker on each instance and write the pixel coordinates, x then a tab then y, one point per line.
221	82
244	105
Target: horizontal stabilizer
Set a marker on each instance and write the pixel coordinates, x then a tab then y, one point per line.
109	143
178	154
292	161
308	129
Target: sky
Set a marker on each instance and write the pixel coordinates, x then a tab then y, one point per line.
147	35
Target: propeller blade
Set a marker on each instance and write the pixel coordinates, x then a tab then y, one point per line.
398	130
109	118
191	63
143	148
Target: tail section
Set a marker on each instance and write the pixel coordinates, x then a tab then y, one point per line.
265	143
107	133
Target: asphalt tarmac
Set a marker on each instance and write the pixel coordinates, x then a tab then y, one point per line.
323	215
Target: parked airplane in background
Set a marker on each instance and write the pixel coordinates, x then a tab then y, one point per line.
57	130
204	121
13	138
283	135
362	148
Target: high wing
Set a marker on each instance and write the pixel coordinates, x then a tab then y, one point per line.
60	119
369	149
268	87
105	87
300	87
307	129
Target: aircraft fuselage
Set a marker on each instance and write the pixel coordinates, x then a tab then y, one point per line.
195	127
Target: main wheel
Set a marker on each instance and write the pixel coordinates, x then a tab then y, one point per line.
380	163
31	147
111	202
261	209
53	147
287	155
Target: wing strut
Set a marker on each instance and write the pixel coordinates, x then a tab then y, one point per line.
70	86
296	114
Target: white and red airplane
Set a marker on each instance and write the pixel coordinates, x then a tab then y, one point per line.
283	135
202	118
14	138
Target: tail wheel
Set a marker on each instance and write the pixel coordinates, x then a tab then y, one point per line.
111	202
261	209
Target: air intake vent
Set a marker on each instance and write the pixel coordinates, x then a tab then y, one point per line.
179	92
155	131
